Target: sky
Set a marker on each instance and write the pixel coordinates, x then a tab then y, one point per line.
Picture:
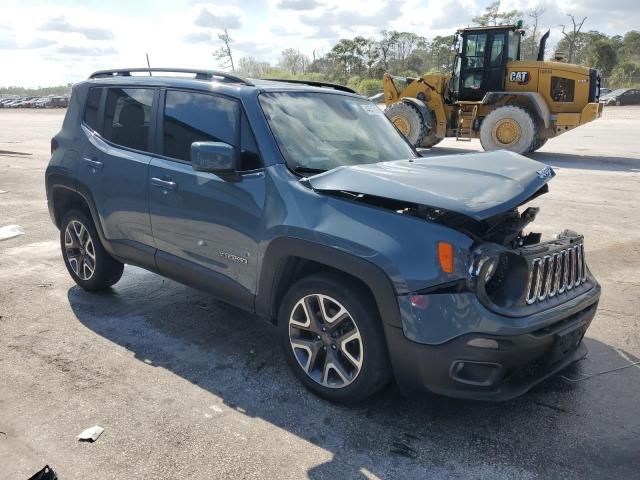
52	43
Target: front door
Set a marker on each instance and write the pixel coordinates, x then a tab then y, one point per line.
206	228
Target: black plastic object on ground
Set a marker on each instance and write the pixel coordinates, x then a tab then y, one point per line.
46	473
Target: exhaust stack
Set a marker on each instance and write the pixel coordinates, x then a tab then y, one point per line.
543	44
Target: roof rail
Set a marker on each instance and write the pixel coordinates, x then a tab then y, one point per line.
315	83
199	74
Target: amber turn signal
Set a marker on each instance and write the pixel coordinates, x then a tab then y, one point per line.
445	256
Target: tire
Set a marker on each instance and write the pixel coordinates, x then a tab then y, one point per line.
346	371
506	123
538	144
618	103
408	119
431	140
88	263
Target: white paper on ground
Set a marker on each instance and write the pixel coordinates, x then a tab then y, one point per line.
91	434
10	231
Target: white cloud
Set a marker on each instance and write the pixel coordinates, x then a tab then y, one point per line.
61	24
298	4
208	19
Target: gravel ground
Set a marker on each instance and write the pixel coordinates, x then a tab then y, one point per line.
188	387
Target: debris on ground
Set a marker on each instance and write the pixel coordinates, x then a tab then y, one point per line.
10	231
91	434
3	191
46	473
44	285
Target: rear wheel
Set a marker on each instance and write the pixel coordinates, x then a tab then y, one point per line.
508	128
332	338
408	119
88	263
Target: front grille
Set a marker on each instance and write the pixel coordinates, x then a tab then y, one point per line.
556	273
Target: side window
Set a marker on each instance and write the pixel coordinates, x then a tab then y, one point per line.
514	46
197	117
562	89
91	109
475	50
127	115
497	50
249	156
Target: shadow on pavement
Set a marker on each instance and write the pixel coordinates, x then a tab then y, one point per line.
570	429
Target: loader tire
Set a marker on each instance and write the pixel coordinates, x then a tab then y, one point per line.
430	140
408	119
508	128
538	144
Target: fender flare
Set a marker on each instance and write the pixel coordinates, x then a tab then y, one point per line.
282	249
536	99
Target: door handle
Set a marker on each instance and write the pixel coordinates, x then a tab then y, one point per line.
166	184
92	163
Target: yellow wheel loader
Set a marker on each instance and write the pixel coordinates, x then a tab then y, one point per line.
494	96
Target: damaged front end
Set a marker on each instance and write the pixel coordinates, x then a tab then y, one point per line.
512	272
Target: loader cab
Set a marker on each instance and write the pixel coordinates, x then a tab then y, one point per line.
481	60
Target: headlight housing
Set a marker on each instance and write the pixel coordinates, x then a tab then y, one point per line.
501	278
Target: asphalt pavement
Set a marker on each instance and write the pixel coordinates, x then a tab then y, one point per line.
188	387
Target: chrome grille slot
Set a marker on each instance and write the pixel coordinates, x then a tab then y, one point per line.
556	273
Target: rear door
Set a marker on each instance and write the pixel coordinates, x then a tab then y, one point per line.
113	171
206	228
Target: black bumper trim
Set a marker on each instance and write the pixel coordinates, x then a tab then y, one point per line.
525	360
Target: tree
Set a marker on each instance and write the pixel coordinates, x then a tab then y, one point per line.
603	56
624	72
442	52
250	67
531	43
224	52
493	16
294	61
630	46
572	36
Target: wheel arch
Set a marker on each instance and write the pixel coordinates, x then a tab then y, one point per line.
64	198
533	100
286	260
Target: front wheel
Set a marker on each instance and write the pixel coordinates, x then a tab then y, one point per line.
509	127
88	263
332	338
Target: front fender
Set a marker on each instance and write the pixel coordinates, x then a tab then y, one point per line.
282	248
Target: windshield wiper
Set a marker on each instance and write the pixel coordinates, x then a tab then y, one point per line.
303	169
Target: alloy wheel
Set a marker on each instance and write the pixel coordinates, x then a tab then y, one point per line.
326	341
79	250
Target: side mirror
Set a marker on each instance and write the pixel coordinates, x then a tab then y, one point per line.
213	157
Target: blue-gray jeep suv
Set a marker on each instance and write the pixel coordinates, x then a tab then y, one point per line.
302	203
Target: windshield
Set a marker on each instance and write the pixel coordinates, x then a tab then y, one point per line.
321	131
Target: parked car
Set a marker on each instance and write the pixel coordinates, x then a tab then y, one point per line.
302	203
622	96
604	91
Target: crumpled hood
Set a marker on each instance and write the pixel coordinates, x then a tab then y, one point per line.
478	185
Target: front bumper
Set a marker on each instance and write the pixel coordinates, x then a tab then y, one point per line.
520	361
